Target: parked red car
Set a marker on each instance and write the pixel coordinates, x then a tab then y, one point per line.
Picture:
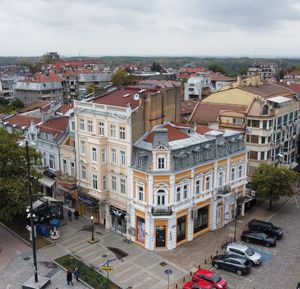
202	284
209	276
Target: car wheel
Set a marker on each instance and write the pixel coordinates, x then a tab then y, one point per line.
216	266
239	272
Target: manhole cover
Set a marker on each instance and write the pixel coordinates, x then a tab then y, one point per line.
119	253
26	258
163	264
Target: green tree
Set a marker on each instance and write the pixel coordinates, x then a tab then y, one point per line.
14	196
216	67
121	78
272	182
156	67
17	103
92	87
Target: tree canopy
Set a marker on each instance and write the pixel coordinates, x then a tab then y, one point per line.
156	67
272	182
14	196
216	67
121	78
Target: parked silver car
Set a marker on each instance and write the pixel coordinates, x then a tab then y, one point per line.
244	251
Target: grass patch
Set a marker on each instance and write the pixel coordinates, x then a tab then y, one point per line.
87	274
18	225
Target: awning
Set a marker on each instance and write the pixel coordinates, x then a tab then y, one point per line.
47	182
117	212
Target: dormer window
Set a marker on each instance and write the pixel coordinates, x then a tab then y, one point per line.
161	162
265	109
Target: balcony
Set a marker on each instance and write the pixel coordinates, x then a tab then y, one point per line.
162	211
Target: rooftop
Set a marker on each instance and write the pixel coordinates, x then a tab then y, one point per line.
55	126
22	121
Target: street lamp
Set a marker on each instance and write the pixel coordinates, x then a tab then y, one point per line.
168	272
92	220
30	213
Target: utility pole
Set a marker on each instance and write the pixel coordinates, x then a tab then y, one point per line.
31	213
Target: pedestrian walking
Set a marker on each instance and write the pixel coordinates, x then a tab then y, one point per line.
70	215
76	273
76	214
69	277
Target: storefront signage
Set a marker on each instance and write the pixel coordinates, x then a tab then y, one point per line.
87	200
117	212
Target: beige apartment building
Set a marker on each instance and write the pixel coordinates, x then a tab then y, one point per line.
105	129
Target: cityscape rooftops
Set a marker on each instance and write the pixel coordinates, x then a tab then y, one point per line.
55	126
21	121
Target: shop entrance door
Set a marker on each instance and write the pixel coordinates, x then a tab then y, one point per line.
160	236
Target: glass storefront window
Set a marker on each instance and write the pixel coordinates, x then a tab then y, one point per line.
200	219
181	228
141	230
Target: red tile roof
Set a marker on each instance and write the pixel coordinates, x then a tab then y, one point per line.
22	120
207	112
42	78
43	105
187	106
66	107
174	133
122	97
295	87
55	126
192	69
203	129
219	77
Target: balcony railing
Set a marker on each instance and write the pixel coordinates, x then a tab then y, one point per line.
162	211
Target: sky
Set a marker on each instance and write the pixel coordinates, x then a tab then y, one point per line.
150	27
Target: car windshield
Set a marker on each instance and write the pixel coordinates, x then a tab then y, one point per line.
249	252
216	278
263	236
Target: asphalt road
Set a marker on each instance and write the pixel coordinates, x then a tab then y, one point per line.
281	265
10	247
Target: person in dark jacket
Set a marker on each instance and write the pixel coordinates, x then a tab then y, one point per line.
69	277
70	215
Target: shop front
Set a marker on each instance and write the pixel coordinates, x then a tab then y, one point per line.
140	230
88	206
201	219
160	233
118	220
181	228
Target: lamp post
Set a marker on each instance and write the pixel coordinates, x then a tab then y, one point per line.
30	211
92	221
168	272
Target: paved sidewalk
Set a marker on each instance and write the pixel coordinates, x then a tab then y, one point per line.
134	266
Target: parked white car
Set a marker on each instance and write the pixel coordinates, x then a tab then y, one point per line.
244	251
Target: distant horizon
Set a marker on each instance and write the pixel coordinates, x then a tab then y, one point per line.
162	56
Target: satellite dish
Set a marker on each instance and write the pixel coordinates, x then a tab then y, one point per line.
136	96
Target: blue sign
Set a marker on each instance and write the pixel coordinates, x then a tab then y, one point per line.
87	200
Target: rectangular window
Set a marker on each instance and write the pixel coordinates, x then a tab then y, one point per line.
178	194
232	176
52	164
81	124
82	147
198	186
262	156
122	186
263	139
112	130
104	183
200	219
103	155
113	183
122	132
161	163
140	193
72	125
113	156
101	128
207	183
253	155
90	125
95	182
141	162
83	172
94	155
64	166
185	192
181	228
264	124
123	158
240	171
72	169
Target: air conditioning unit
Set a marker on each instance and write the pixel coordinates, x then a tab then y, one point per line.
248	129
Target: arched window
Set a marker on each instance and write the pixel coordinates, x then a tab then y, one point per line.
161	198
